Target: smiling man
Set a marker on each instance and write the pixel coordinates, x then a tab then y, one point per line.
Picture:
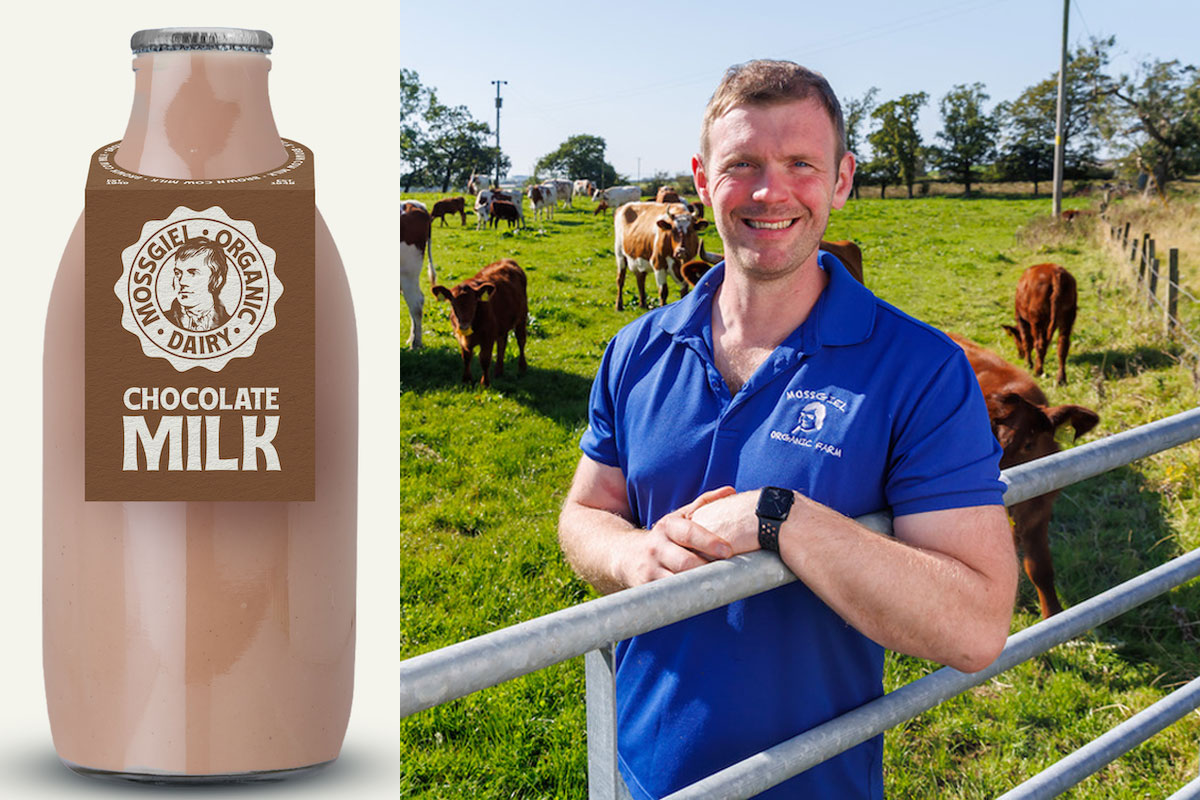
766	409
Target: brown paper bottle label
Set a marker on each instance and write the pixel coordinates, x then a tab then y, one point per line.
200	343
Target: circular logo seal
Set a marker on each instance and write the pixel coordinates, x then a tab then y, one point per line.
198	288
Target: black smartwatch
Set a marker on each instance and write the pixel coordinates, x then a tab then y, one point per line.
774	504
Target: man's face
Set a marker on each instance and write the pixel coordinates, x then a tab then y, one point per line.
772	175
191	281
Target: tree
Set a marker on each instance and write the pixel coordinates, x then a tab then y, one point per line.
1159	114
857	109
968	134
413	98
440	144
1028	123
896	142
1026	158
456	144
581	156
881	172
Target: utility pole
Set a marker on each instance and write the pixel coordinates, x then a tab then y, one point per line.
500	102
1058	123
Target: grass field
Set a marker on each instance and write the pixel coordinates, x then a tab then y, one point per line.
484	471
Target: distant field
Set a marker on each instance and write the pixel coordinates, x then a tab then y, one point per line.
483	473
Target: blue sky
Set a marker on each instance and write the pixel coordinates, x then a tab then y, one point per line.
639	73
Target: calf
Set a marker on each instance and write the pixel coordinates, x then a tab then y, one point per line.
654	236
483	310
483	204
449	205
847	252
504	210
1046	299
1024	425
416	226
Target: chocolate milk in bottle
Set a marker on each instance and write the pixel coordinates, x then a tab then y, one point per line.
200	414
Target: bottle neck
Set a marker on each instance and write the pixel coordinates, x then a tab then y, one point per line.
201	114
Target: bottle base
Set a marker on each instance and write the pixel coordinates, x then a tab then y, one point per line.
179	779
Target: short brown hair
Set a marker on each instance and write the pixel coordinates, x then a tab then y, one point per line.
214	257
762	83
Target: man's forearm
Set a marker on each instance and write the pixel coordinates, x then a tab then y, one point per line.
941	589
588	538
609	551
907	597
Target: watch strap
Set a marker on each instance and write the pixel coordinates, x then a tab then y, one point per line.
768	534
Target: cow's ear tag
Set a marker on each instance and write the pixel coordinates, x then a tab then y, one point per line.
485	295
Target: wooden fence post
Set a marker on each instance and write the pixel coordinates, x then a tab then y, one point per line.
1125	239
1142	261
1152	285
1172	304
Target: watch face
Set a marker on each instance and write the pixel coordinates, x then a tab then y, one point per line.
774	502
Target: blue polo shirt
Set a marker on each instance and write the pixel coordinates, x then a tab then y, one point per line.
861	408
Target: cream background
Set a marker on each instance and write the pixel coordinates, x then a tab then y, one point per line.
67	91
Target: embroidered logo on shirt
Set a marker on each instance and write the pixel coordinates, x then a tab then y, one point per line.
811	419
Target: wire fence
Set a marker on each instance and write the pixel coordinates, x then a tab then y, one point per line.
1146	268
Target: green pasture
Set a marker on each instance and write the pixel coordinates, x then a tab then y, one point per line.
484	471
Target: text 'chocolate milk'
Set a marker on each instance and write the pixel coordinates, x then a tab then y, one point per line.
200	440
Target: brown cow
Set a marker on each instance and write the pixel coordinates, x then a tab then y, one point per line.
667	194
483	310
654	236
1024	425
449	205
416	227
503	210
847	252
697	209
1045	300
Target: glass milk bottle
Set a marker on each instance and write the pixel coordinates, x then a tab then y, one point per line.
189	640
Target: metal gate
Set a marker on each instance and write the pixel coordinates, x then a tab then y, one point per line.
590	628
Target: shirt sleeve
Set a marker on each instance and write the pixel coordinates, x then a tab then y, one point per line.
945	455
599	441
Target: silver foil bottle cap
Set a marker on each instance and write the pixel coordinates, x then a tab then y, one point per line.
157	40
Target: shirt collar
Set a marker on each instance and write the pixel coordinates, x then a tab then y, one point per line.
843	315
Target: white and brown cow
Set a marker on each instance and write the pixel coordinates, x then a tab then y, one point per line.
564	190
583	187
541	199
617	195
658	237
477	183
416	226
